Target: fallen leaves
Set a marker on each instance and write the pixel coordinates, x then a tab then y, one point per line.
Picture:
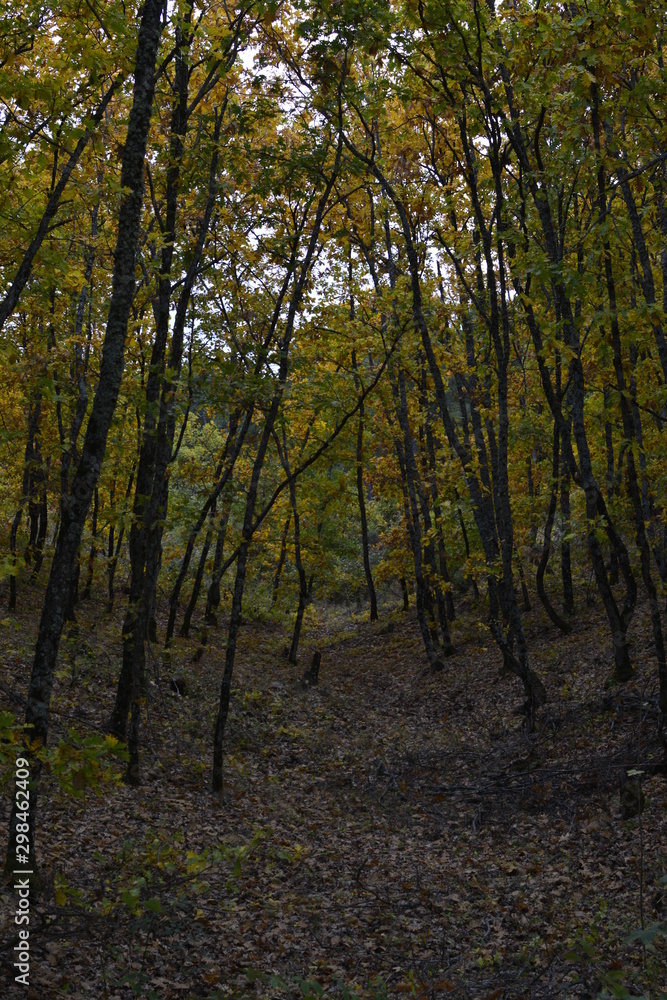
390	846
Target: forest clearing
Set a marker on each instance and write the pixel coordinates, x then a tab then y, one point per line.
333	539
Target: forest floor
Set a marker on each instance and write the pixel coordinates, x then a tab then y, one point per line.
389	832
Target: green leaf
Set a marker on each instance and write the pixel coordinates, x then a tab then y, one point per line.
646	936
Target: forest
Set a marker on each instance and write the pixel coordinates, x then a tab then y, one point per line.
333	535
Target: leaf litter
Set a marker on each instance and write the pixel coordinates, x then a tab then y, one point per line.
389	832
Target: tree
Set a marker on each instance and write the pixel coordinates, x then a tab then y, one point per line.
61	578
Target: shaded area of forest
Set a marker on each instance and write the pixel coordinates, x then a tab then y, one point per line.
389	825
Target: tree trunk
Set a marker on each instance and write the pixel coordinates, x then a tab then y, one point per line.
114	553
281	560
361	499
403	444
196	586
437	515
93	548
213	595
581	470
34	415
559	622
301	573
565	549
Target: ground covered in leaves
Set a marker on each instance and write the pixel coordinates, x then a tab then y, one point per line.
388	832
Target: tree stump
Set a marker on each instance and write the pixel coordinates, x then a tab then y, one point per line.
312	675
632	796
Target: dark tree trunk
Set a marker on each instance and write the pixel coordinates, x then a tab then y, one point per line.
522	579
365	548
301	573
239	583
93	548
304	588
609	444
149	483
466	543
403	444
43	515
34	415
196	586
312	675
565	548
437	515
361	499
559	622
213	595
70	616
114	552
646	280
483	514
433	574
281	559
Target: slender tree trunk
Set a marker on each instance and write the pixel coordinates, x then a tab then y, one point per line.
559	622
301	573
149	483
34	416
361	499
239	583
484	517
565	548
114	552
437	515
365	548
609	443
213	595
466	543
93	548
646	280
199	576
281	559
43	515
405	454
